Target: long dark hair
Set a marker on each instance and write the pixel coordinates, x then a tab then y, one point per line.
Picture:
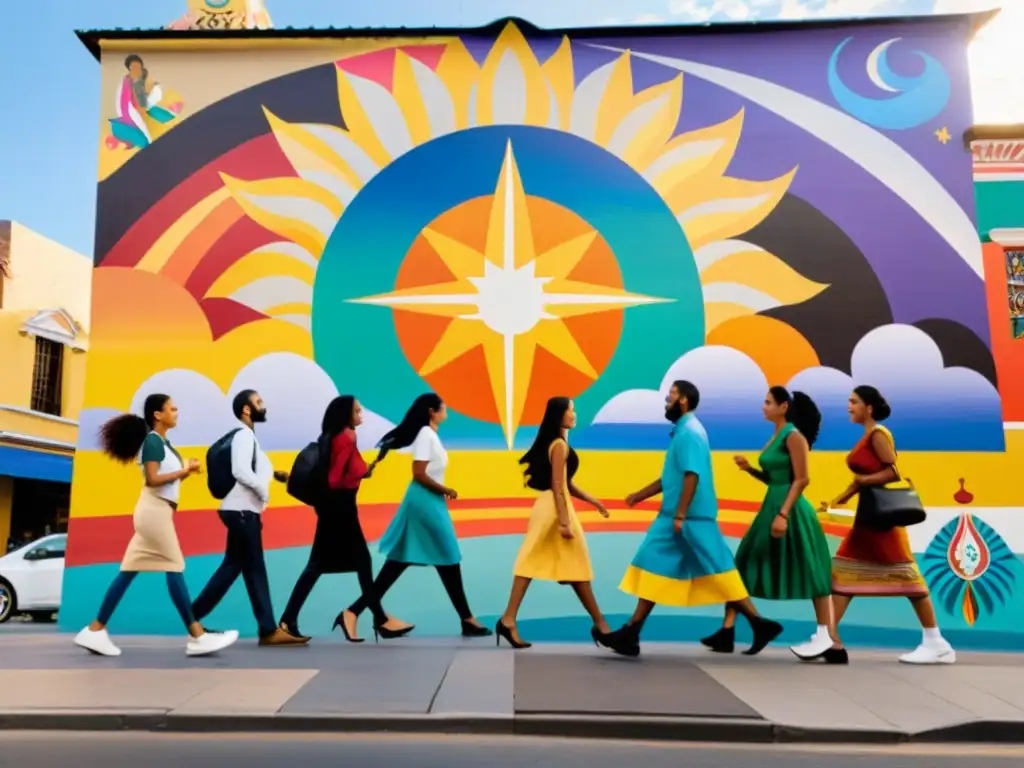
802	412
122	436
415	419
338	416
880	410
538	459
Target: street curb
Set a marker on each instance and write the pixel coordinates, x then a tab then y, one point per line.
681	729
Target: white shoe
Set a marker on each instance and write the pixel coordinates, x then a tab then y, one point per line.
931	652
210	642
97	641
819	643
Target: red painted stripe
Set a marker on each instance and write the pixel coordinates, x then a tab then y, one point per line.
257	158
103	539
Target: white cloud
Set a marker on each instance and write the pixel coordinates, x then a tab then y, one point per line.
295	389
730	384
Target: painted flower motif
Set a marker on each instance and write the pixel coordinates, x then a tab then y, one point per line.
970	569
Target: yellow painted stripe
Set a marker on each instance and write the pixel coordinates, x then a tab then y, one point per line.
162	250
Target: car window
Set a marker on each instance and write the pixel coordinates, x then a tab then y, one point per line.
58	544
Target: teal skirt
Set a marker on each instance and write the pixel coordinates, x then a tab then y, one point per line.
421	532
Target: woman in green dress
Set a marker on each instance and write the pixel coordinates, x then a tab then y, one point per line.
785	555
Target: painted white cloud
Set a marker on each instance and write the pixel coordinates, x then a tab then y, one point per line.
907	367
935	407
730	384
295	389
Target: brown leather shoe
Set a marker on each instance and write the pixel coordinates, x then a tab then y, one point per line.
280	637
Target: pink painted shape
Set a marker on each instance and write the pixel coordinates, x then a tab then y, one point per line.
426	54
378	66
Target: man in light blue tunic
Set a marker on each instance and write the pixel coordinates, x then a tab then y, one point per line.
684	560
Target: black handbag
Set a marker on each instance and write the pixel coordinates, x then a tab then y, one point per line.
883	509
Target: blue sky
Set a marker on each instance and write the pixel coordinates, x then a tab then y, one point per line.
49	84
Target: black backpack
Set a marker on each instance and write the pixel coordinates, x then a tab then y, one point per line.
307	481
220	478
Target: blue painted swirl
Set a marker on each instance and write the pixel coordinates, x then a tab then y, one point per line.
915	100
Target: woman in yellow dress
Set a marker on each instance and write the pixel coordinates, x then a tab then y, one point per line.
554	548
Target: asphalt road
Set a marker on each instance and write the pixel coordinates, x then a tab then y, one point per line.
83	750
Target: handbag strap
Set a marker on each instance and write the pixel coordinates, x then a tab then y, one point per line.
892	442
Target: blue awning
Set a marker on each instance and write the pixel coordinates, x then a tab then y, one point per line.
35	465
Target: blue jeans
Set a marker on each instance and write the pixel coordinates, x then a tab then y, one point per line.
243	556
118	588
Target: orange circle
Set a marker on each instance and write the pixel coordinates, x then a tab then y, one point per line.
464	383
778	348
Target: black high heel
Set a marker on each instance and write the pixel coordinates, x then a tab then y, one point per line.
722	641
339	623
502	632
470	629
765	630
380	631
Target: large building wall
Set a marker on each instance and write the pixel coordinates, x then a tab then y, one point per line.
742	209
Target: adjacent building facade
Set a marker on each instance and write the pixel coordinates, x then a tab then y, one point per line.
44	337
506	214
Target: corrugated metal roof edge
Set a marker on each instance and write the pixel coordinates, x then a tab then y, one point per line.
91	38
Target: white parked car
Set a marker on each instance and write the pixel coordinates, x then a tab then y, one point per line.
31	578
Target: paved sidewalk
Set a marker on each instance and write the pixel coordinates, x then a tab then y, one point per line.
671	692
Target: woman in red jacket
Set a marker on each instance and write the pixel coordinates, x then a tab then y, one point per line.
339	545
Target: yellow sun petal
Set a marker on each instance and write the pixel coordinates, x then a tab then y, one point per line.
295	209
559	72
459	72
290	308
616	101
357	121
730	207
692	155
511	60
772	275
643	131
255	266
312	158
410	100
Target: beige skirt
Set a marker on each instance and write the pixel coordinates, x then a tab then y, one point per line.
154	547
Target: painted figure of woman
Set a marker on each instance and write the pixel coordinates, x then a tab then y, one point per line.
339	545
422	532
138	98
154	547
785	555
871	563
554	548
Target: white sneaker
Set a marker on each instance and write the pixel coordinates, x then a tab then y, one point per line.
97	641
813	648
210	642
931	652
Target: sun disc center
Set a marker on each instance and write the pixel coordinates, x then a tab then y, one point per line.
511	301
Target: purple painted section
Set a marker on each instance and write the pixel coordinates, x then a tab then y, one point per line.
922	276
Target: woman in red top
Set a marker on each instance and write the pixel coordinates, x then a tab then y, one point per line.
872	563
339	545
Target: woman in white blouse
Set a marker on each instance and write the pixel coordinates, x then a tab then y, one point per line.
154	547
421	532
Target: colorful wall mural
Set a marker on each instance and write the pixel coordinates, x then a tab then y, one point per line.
505	214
